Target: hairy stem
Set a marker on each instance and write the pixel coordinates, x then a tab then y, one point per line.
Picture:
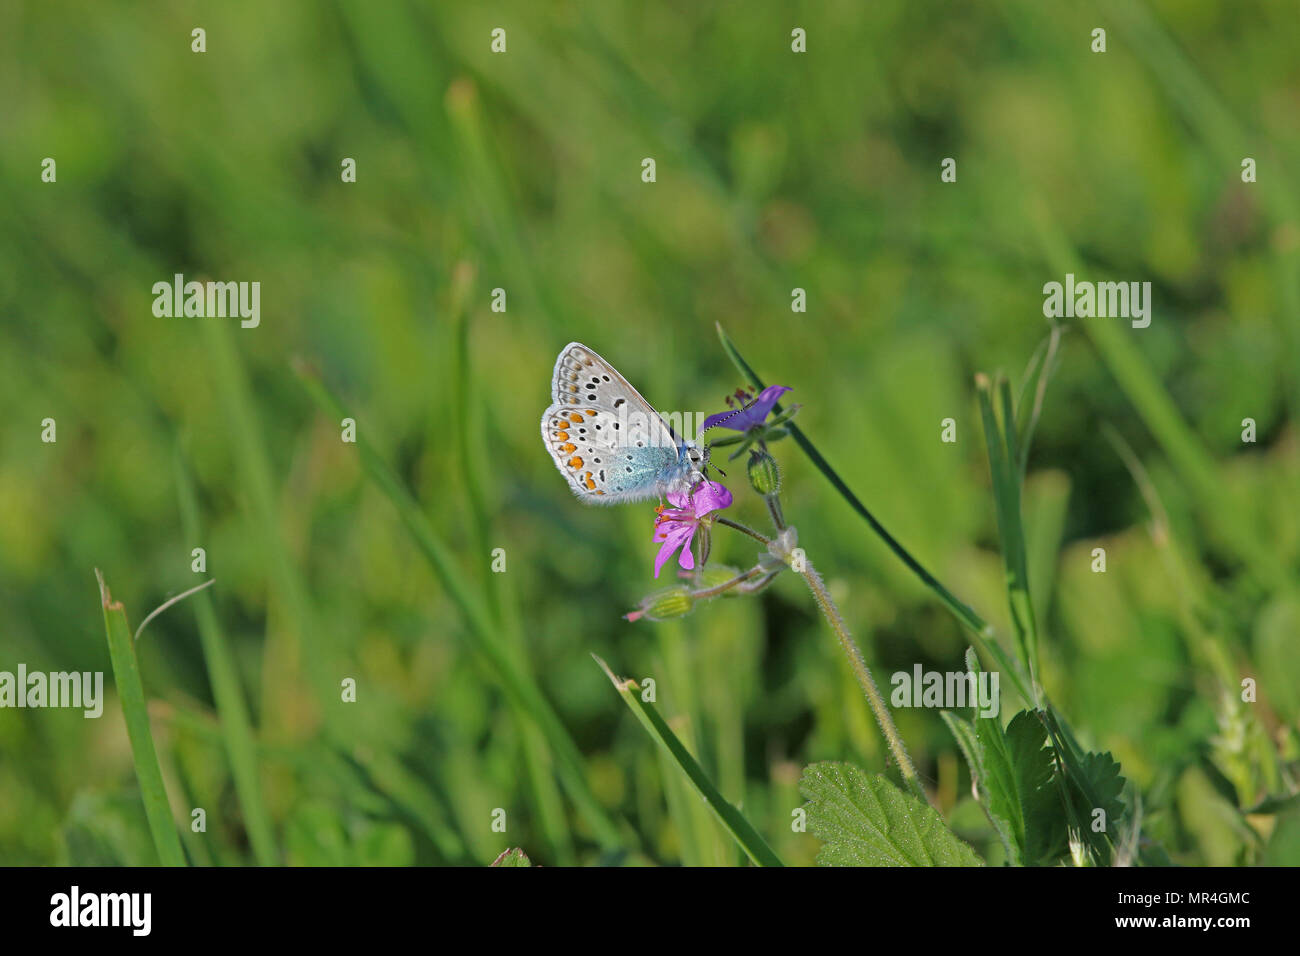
706	593
744	530
774	509
863	674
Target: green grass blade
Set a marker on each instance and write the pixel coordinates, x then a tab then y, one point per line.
741	830
1004	470
981	630
130	689
232	709
519	687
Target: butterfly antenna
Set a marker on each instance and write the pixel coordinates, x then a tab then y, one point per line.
745	402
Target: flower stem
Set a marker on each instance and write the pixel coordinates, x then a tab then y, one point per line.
863	673
740	527
706	593
774	508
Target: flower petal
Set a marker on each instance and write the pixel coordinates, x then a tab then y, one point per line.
711	496
766	399
674	538
687	558
679	500
748	417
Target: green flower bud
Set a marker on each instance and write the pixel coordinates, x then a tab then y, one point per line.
764	475
662	605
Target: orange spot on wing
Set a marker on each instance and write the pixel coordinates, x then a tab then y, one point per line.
568	449
575	416
575	462
562	436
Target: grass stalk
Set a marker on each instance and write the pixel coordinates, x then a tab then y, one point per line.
227	694
741	830
130	690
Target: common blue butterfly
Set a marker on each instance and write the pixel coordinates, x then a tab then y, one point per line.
607	440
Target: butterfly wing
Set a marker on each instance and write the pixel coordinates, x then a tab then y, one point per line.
607	441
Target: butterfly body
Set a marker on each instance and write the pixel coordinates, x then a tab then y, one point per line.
608	442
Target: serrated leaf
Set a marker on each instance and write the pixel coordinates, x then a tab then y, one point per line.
968	740
1012	771
1039	804
1094	782
1101	785
1001	782
864	820
513	857
1013	779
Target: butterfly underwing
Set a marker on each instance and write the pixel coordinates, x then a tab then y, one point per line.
607	441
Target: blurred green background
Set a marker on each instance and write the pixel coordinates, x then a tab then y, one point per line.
522	171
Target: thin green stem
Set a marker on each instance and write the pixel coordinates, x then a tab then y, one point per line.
774	509
863	674
744	530
706	593
981	631
753	587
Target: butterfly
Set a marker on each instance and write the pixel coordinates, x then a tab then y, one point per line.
607	440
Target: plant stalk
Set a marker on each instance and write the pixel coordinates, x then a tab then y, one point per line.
867	682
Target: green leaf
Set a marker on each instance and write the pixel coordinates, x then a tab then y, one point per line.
864	820
1030	788
976	758
1099	783
513	857
1093	782
1013	771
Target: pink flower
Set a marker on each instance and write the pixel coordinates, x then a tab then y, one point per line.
675	526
